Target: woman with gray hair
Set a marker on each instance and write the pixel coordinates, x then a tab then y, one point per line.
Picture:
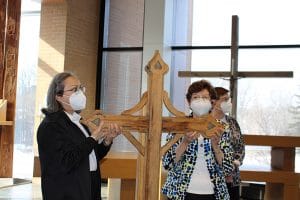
69	153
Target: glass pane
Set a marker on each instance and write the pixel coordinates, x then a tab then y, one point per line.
196	60
270	106
297	161
267	106
124	23
182	22
269	59
260	22
211	60
121	87
25	103
181	61
257	158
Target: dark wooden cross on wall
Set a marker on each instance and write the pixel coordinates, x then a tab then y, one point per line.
234	74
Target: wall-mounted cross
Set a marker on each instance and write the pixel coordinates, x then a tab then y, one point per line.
153	124
234	74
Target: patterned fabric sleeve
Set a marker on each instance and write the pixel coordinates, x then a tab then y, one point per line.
226	147
168	160
238	142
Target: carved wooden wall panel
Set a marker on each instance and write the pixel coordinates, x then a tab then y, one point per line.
8	79
2	36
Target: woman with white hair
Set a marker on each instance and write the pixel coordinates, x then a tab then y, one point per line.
69	153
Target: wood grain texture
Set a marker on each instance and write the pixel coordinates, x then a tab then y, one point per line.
6	123
275	141
2	42
152	125
156	69
206	125
52	1
9	82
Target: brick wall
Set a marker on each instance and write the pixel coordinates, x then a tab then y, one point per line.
51	53
82	44
68	42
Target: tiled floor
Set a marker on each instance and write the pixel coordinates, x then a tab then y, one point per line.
21	192
28	191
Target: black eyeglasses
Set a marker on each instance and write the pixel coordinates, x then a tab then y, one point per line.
76	89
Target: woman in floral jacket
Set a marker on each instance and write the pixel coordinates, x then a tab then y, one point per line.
197	166
222	106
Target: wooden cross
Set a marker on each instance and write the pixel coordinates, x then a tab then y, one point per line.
234	74
153	124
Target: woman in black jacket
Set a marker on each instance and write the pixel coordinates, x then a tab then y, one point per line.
69	153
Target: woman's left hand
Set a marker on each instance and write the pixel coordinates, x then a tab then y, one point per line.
114	131
229	179
215	140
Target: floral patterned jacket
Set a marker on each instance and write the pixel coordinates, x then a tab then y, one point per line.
179	174
238	145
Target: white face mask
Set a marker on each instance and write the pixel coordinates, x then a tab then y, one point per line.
77	101
200	107
226	106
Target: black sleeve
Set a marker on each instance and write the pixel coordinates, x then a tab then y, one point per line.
55	148
102	150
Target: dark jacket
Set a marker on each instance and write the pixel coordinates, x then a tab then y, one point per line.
64	156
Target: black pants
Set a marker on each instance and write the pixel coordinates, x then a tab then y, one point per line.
190	196
234	192
95	186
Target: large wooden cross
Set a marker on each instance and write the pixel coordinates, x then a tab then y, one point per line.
153	124
234	74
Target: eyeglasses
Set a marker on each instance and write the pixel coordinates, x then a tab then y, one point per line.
199	97
225	99
76	89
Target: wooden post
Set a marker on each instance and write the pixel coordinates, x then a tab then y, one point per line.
156	70
2	42
282	158
2	37
234	62
9	82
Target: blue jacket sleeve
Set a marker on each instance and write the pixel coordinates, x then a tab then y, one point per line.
168	160
226	147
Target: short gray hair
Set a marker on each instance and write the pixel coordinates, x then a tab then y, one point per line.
56	87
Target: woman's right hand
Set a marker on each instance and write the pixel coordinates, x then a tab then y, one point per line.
190	136
99	132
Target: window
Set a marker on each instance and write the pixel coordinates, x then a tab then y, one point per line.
268	42
121	59
25	104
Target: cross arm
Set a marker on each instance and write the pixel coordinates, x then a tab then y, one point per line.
203	74
241	74
206	125
266	74
127	122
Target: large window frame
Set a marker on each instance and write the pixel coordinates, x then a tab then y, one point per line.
102	49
